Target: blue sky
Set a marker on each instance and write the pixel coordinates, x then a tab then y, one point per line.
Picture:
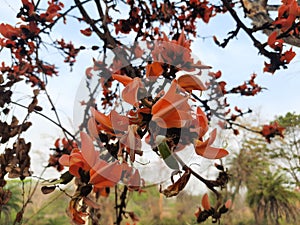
237	62
240	59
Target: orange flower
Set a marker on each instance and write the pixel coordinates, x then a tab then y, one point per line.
52	11
9	31
288	56
285	24
132	90
275	43
222	88
206	150
190	83
102	174
29	6
76	215
87	32
137	116
74	161
269	131
134	182
83	159
172	110
112	123
132	142
200	124
105	174
154	70
287	13
181	40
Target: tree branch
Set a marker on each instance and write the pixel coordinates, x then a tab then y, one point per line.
48	118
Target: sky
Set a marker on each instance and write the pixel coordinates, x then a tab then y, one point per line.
237	62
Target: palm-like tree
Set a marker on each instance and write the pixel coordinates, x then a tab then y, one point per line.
267	192
271	200
250	160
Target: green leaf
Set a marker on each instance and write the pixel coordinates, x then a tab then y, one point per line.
165	153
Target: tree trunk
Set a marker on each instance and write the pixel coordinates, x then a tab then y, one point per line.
259	217
258	12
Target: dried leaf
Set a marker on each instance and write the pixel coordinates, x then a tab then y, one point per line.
14	121
38	108
47	190
32	105
6	111
66	178
36	92
178	186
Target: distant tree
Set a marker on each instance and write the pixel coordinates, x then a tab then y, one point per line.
244	165
287	150
268	193
271	200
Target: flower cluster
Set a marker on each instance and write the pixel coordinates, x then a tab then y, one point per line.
95	174
288	23
208	211
271	130
162	115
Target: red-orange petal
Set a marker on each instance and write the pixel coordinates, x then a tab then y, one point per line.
92	128
172	110
154	70
87	32
272	39
119	122
105	175
190	83
228	203
211	152
64	160
125	80
101	118
135	180
88	149
205	150
205	202
130	92
202	122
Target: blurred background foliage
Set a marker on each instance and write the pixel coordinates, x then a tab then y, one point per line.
264	187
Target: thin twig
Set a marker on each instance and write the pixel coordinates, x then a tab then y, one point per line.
46	117
57	117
